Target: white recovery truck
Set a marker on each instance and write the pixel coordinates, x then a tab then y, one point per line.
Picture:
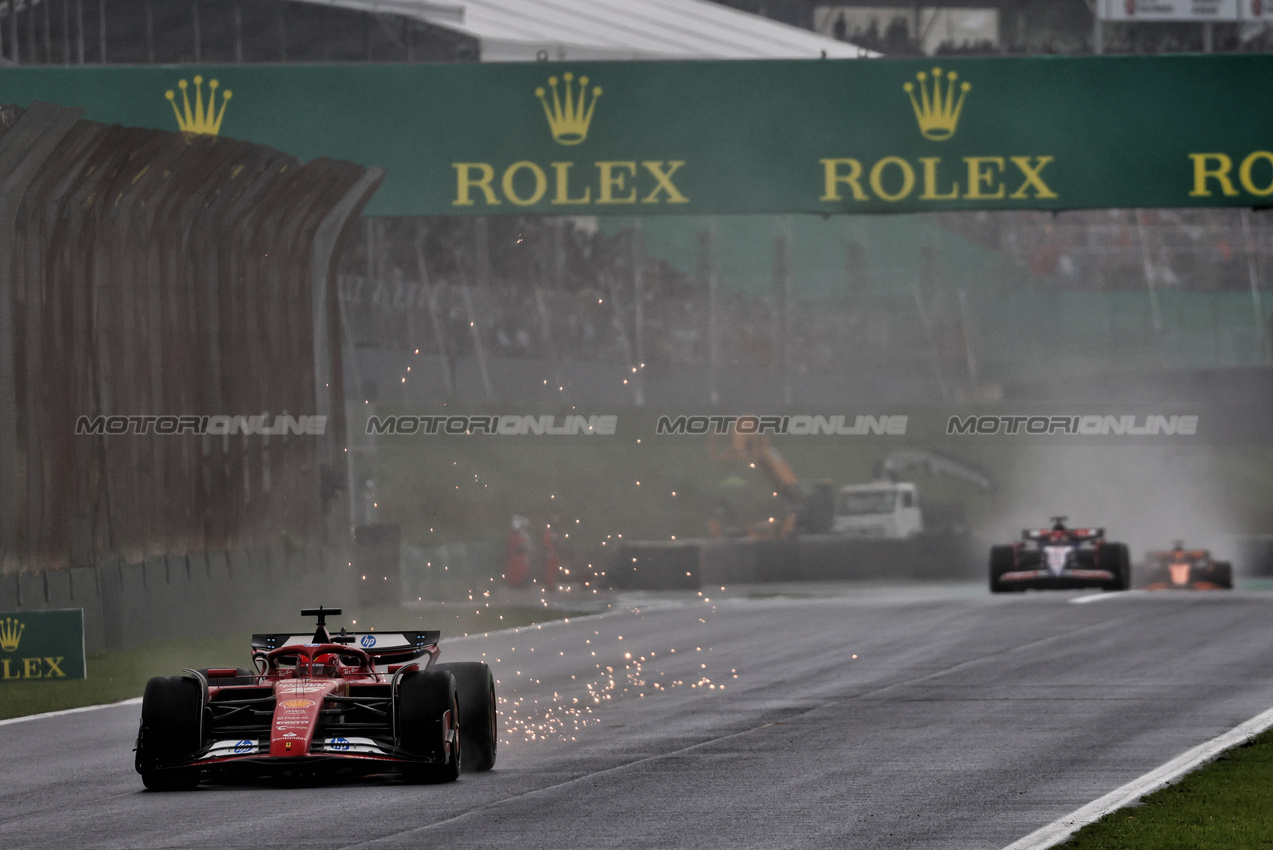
888	509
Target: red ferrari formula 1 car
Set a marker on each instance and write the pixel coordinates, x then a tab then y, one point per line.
321	706
1060	558
1179	568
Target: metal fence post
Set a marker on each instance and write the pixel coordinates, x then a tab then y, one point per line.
708	279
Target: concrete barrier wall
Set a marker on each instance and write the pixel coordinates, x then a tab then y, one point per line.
933	557
86	594
216	593
1252	555
31	592
694	564
186	596
8	593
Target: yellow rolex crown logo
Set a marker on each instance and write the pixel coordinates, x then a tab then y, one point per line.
936	108
10	633
569	115
200	119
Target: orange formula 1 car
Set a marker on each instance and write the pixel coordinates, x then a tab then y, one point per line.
1179	568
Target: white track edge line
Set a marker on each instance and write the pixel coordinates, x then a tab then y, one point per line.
1097	597
66	711
1064	827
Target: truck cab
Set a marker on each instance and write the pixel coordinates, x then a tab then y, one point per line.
884	510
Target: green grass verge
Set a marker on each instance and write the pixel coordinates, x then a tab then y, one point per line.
120	674
1225	805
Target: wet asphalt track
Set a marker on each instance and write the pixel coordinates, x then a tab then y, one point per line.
964	720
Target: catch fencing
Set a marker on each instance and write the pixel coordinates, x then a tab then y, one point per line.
147	273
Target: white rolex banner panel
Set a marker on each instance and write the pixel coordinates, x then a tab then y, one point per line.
1173	10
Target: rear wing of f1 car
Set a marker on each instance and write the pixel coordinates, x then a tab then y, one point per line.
382	647
1076	535
1178	554
387	647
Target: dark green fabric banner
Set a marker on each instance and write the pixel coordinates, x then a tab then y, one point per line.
44	645
636	138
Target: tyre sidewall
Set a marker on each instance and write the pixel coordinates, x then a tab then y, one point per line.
423	698
1002	560
1225	570
1116	558
169	735
478	713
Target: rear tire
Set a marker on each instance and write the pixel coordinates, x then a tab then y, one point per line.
424	698
1224	574
1002	560
479	719
1116	558
169	734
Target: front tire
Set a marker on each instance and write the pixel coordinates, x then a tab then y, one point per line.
428	709
169	733
1002	560
1116	558
478	713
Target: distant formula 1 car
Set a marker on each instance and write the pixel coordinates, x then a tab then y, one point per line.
1179	568
1058	558
319	706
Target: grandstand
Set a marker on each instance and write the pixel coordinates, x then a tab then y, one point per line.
255	31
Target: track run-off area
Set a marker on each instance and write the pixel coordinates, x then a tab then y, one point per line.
792	716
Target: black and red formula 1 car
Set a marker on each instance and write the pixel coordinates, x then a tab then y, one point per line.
321	706
1179	568
1060	558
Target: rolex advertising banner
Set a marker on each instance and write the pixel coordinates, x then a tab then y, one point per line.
638	138
44	645
1196	11
1171	10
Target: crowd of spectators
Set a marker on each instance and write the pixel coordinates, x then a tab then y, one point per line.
557	288
1050	28
894	40
1101	250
